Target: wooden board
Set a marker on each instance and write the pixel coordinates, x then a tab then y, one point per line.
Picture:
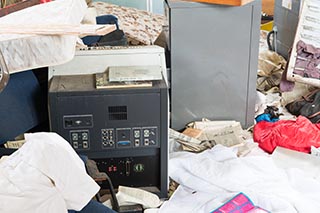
57	29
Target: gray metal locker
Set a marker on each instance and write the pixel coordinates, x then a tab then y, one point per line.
214	55
286	21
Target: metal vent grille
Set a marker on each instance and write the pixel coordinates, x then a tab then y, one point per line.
117	112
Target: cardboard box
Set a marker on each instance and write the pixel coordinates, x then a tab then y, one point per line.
268	7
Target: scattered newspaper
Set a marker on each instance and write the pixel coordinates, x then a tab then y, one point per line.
14	144
227	133
209	133
188	143
182	137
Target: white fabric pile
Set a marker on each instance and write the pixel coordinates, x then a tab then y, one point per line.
44	175
209	179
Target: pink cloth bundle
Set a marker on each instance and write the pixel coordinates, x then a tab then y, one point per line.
239	204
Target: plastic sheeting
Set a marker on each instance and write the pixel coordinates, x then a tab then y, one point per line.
297	135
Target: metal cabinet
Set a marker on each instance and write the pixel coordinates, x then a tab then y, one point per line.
213	51
286	17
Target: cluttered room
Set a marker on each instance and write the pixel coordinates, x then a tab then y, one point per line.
160	106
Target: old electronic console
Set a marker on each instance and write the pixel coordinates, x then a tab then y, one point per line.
124	130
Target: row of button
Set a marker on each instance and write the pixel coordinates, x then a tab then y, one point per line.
79	136
80	139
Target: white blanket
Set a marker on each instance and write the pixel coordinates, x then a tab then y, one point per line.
211	178
44	175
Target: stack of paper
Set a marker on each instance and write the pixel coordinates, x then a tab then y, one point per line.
128	76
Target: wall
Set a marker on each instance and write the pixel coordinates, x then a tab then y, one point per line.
156	6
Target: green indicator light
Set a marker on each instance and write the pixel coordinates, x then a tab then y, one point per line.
138	167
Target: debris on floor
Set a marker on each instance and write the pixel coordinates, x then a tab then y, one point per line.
130	196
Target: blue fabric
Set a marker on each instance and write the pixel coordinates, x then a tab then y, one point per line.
94	207
107	19
21	105
265	117
104	19
84	158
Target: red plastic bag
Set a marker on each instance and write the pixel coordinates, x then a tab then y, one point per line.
297	135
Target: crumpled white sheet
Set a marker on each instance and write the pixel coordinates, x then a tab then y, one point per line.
44	175
212	177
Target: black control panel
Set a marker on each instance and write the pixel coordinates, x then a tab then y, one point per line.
136	137
133	171
124	130
80	139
